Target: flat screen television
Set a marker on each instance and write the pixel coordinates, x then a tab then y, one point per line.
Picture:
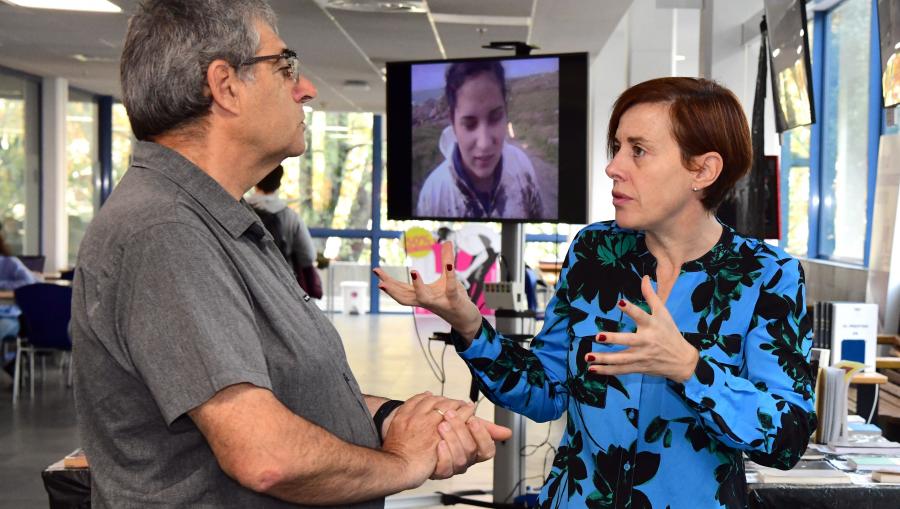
789	59
889	37
488	139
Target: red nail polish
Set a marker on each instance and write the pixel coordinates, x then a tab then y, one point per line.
621	303
591	358
601	337
449	267
414	275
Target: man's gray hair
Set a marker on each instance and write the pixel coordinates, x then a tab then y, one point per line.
168	49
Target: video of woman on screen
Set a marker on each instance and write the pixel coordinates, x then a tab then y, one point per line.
485	139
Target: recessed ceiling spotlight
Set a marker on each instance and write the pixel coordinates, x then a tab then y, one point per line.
357	85
68	5
396	6
90	58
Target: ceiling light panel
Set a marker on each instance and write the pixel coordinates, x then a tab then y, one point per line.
68	5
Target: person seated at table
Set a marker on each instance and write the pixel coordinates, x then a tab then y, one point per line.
673	344
13	274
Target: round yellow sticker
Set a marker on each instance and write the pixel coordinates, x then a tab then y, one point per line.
418	242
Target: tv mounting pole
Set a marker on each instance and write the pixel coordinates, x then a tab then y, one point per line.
509	464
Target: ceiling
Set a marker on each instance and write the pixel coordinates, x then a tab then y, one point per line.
335	46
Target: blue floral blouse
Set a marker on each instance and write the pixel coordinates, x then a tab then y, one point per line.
641	441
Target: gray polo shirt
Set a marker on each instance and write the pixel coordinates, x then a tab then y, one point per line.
179	292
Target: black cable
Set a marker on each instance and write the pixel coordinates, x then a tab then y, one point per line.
436	370
546	471
453	499
443	371
537	446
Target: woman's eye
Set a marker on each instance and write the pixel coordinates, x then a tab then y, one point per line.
637	151
615	149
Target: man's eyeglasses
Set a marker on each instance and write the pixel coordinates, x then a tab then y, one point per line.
290	57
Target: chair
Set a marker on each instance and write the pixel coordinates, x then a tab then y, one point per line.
46	311
34	263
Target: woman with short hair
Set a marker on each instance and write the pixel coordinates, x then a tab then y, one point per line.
674	343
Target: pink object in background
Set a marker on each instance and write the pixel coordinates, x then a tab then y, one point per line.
462	263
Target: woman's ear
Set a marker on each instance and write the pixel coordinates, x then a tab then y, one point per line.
222	82
707	168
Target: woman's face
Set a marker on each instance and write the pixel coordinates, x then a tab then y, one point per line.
479	123
651	187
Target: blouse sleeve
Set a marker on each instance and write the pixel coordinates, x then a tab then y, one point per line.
530	382
777	388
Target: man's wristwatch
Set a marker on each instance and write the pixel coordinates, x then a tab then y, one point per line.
383	412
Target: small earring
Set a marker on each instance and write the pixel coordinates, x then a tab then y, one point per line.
695	189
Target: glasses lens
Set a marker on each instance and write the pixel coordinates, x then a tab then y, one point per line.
294	62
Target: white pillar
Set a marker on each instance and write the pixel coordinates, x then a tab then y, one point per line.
55	232
609	78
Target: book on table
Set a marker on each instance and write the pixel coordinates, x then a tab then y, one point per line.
880	476
805	472
880	463
832	386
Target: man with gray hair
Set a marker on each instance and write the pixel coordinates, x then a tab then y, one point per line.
204	377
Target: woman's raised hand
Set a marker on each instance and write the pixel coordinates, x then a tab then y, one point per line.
446	297
655	348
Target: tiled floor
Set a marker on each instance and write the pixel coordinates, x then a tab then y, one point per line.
385	356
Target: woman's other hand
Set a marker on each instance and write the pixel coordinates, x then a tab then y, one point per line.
655	348
446	297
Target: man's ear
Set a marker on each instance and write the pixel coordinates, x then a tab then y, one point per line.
224	86
707	168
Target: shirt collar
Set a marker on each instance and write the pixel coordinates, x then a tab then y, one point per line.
234	215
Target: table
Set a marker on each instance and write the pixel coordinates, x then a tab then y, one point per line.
865	393
550	270
831	496
67	488
70	488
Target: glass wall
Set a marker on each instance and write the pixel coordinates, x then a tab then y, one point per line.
121	142
330	185
19	163
795	198
844	174
81	166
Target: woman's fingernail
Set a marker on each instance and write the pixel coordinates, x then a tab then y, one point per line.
451	414
621	303
449	267
590	358
601	337
414	275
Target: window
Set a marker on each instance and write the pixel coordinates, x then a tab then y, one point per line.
827	169
795	195
333	179
121	142
19	163
81	166
844	125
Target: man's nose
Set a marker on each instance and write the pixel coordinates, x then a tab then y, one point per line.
304	91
